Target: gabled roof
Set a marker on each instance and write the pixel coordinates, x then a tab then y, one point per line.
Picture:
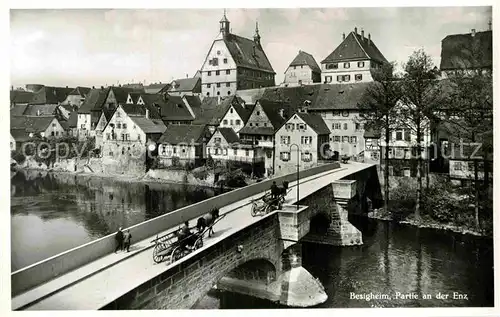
136	86
31	124
257	130
156	88
246	53
229	135
20	135
81	91
186	84
294	96
250	96
304	58
20	96
355	47
315	121
339	96
40	110
94	100
18	110
174	109
51	95
121	93
460	51
193	101
184	133
140	110
149	125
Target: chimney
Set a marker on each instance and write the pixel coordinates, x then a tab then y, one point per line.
66	86
102	87
356	30
363	34
473	32
187	76
282	113
219	99
369	39
38	112
147	114
93	87
343	36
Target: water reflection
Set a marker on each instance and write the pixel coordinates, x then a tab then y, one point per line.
51	213
393	259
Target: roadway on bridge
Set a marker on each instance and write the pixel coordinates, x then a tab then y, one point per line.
117	274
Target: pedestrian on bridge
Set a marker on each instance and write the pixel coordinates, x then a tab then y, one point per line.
127	238
119	240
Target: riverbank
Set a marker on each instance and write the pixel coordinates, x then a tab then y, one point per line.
427	222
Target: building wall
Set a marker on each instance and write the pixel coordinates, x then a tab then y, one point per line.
301	74
220	51
354	69
252	78
135	139
74	100
350	126
286	155
231	119
185	154
12	143
83	125
221	150
55	130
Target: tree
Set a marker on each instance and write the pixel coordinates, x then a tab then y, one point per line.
420	94
378	111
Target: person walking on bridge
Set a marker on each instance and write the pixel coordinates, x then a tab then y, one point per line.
127	238
119	240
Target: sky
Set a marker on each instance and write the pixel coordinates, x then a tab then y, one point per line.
94	47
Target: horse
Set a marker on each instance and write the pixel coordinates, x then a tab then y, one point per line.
208	220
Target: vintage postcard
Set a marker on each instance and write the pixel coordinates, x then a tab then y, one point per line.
252	158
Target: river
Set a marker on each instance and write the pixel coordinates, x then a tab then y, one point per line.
52	213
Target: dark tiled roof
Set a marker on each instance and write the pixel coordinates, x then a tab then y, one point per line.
183	133
339	96
137	86
31	124
229	135
315	121
372	134
51	95
94	100
193	101
467	51
294	96
156	88
21	96
42	110
304	58
149	125
18	110
272	110
257	130
81	91
121	93
140	110
20	135
174	109
355	47
186	84
250	96
247	54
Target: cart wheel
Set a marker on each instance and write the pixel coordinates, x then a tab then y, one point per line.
269	208
157	252
198	244
176	255
254	210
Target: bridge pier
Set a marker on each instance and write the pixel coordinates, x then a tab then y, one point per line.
339	232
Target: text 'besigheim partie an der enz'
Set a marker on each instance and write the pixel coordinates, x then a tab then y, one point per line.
407	296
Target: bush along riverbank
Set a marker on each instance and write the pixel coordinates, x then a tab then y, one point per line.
444	206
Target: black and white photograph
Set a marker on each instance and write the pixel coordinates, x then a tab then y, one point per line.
232	156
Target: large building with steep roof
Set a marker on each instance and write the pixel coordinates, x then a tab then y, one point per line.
352	61
234	63
303	70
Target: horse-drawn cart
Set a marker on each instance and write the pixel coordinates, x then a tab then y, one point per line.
270	201
177	244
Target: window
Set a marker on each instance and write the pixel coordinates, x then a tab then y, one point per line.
301	126
306	157
215	62
82	127
53	125
345	126
225	60
256	124
228	72
108	137
306	139
290	126
353	139
361	64
358	77
228	93
339	78
217	72
119	125
347	65
251	124
328	79
209	73
345	113
332	66
57	133
336	138
218	85
284	139
347	77
238	121
345	139
265	124
231	110
228	84
217	140
247	152
336	126
138	137
218	53
218	93
357	126
231	122
285	156
399	135
52	133
258	113
209	85
208	94
124	126
457	166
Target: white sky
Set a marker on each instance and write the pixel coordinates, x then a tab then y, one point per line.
90	47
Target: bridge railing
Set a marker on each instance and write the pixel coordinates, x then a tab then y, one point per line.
43	271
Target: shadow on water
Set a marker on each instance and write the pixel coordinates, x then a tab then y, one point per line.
51	213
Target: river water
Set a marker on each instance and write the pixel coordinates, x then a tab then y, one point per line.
52	213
